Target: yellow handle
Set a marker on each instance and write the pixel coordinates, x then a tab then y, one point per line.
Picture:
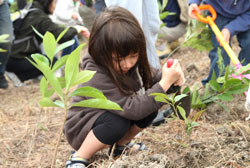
210	21
225	45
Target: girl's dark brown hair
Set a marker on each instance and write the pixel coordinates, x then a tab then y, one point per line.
116	31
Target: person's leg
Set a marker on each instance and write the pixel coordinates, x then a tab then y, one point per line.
137	126
220	22
22	68
171	34
244	43
71	48
107	130
5	28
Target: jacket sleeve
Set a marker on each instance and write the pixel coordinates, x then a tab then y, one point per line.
46	24
135	107
194	1
240	24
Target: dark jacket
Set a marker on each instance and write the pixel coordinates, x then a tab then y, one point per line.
173	7
237	10
80	120
40	20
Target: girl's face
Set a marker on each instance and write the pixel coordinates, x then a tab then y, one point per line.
126	63
52	6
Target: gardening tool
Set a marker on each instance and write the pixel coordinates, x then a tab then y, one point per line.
185	103
210	20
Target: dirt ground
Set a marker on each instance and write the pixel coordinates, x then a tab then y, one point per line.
28	133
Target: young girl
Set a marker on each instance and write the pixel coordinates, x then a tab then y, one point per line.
117	52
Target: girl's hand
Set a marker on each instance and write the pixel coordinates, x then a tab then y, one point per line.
193	7
173	75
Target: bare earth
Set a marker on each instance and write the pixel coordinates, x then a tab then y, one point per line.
28	133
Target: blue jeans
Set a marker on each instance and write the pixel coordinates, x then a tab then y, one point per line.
71	48
244	43
5	28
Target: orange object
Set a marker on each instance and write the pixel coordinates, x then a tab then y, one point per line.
210	20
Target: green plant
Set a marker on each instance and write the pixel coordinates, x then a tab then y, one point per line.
221	89
198	36
50	84
172	101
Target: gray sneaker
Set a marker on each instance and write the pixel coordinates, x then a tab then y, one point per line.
76	162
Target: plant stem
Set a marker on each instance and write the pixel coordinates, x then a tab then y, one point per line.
61	132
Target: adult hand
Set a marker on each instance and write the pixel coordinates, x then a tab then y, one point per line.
193	7
226	34
74	16
83	30
173	75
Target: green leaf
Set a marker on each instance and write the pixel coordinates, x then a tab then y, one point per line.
214	85
161	95
49	45
225	97
186	90
164	4
161	99
83	76
98	104
194	124
183	114
197	115
238	89
226	74
64	45
231	82
164	15
47	102
59	103
88	92
62	82
40	35
179	97
41	58
59	63
213	76
62	34
49	75
194	95
43	86
72	67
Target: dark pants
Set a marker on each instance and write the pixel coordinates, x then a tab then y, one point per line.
110	128
23	68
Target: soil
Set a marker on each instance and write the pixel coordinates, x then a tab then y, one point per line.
29	133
